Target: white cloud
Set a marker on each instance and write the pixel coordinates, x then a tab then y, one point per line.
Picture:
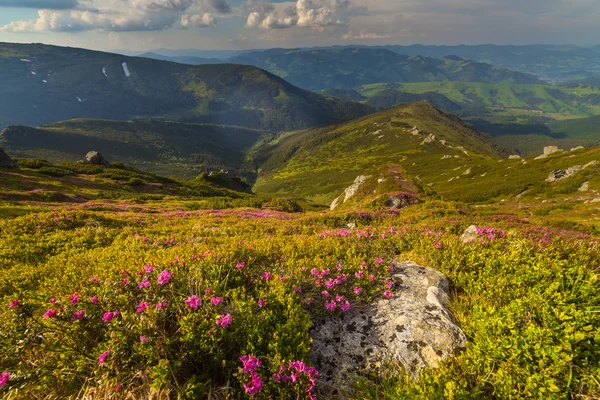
198	20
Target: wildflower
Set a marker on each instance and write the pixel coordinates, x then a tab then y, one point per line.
52	300
240	266
216	300
109	316
359	275
387	294
162	305
266	276
250	363
345	306
143	339
142	306
74	299
193	302
339	297
261	303
13	303
102	357
371	278
330	305
223	320
357	290
125	281
77	315
118	387
4	377
389	284
94	299
144	284
378	260
148	268
50	313
325	293
94	279
164	277
208	291
297	289
254	386
437	245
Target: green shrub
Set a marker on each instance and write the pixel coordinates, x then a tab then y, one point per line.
55	171
32	163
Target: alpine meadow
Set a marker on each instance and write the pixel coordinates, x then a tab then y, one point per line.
304	199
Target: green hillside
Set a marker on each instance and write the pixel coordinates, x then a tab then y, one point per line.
168	148
40	84
318	69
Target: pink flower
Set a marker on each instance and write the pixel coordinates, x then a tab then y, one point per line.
125	281
13	303
208	291
250	364
357	290
266	276
371	278
193	302
378	260
216	300
162	305
262	303
118	387
330	305
144	284
52	300
77	315
345	306
4	377
103	356
387	294
94	279
240	266
255	384
74	299
359	275
149	268
143	339
50	313
164	277
223	320
325	293
109	316
297	289
389	284
94	299
142	306
339	298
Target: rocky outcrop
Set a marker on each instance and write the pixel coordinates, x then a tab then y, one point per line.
470	235
6	161
548	150
349	192
559	174
414	329
94	157
429	139
514	157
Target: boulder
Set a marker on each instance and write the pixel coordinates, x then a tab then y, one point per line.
514	157
428	139
470	235
413	329
6	161
548	150
94	157
565	173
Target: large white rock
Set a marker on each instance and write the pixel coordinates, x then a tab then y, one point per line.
548	150
414	329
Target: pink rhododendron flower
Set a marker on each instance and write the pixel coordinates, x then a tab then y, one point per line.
162	305
378	260
4	377
142	306
74	299
345	306
78	315
102	357
143	339
94	279
357	290
216	300
144	284
109	316
94	299
266	276
223	320
118	387
325	293
240	266
250	363
372	278
255	384
387	294
297	289
389	284
125	281
262	303
13	303
339	297
330	305
52	300
193	302
164	277
208	291
149	268
359	275
50	313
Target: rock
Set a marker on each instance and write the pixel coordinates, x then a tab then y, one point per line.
514	157
585	187
414	329
549	150
334	204
400	200
428	139
93	157
470	235
578	148
415	131
467	172
6	161
565	173
446	157
349	192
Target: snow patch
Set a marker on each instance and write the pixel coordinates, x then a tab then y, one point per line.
78	99
45	81
25	60
104	71
33	73
126	69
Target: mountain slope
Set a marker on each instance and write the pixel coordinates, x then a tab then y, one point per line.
168	148
318	163
41	84
319	69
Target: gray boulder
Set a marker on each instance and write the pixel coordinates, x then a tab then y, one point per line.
94	157
6	161
470	235
413	329
566	173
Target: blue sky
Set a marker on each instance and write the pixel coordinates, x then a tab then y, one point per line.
240	24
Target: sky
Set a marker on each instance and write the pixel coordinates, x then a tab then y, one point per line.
247	24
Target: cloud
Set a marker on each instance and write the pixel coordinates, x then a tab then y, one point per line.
46	4
123	15
364	35
305	13
198	20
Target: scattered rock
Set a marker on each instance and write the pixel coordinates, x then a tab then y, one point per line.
514	157
415	131
565	173
467	172
428	139
549	150
414	328
446	157
585	187
578	148
470	235
6	161
93	157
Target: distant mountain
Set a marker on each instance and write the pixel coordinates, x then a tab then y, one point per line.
167	148
41	84
350	67
183	59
